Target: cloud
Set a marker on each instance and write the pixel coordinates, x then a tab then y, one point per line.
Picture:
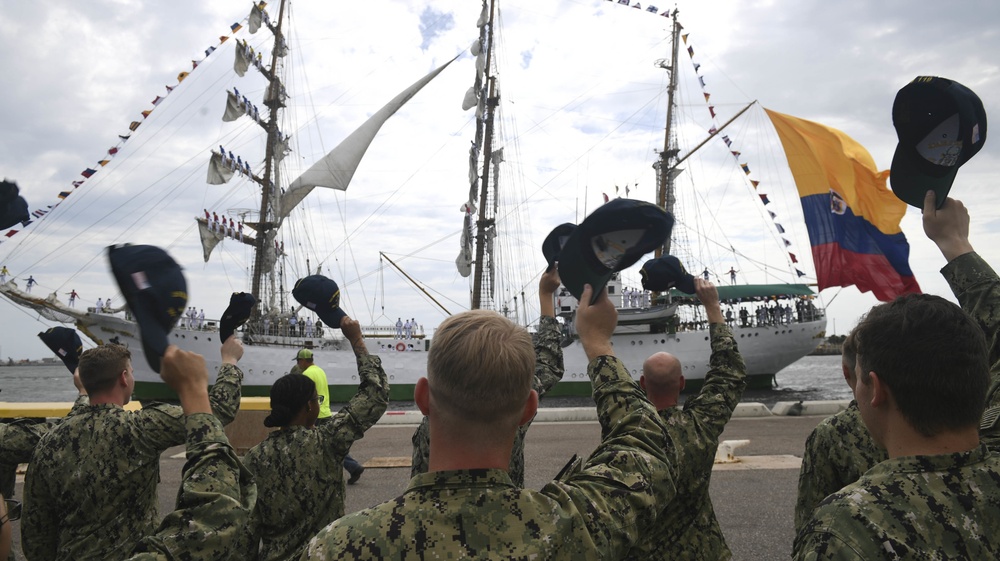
582	109
432	24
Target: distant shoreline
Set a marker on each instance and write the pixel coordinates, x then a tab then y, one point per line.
26	362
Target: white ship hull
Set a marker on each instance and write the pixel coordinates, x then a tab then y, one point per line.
766	350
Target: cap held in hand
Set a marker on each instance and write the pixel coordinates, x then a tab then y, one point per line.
238	312
555	241
13	207
941	124
66	343
665	273
322	296
155	290
612	238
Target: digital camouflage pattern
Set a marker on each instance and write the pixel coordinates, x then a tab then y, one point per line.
18	438
687	528
90	490
977	288
213	503
597	513
298	470
549	369
838	452
912	507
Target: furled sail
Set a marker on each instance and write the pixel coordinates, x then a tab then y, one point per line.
464	260
219	170
209	238
49	307
337	168
243	58
256	18
234	108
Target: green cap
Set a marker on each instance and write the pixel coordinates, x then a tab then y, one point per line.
304	354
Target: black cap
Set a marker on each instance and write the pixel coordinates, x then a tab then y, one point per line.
66	343
612	238
155	290
238	312
322	296
555	241
665	273
13	208
941	124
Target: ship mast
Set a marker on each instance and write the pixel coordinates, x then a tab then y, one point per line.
486	222
274	101
666	166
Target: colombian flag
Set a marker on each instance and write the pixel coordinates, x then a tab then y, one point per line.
852	218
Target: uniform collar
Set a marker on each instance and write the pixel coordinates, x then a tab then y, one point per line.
461	479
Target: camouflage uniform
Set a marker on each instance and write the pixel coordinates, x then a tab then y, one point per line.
90	490
913	507
977	288
18	439
213	504
838	452
298	470
687	528
549	369
596	513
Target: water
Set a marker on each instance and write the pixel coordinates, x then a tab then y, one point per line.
812	378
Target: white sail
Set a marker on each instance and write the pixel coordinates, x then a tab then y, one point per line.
209	238
234	108
49	307
219	171
337	168
242	62
255	19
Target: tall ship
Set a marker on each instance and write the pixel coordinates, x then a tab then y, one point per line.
775	324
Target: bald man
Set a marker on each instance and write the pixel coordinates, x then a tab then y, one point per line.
687	528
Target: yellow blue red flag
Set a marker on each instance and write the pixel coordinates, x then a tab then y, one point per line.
852	218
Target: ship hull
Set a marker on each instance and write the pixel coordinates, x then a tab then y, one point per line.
765	349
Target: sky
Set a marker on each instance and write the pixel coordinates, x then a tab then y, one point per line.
582	107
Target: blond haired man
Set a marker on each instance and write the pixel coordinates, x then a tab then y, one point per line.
476	394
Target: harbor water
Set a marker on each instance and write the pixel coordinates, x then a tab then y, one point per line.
811	378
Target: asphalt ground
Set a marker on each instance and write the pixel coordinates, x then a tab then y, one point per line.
753	499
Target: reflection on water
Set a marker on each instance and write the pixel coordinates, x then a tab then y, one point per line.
811	378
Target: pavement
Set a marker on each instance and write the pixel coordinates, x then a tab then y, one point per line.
754	498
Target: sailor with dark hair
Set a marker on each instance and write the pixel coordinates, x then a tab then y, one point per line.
298	467
922	380
977	287
69	513
293	401
838	451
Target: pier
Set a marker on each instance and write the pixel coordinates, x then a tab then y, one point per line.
754	497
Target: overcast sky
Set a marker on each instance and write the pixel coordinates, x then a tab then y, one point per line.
583	111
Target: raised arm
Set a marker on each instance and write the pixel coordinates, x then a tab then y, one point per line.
977	287
369	404
217	493
225	393
630	476
82	399
549	367
726	379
